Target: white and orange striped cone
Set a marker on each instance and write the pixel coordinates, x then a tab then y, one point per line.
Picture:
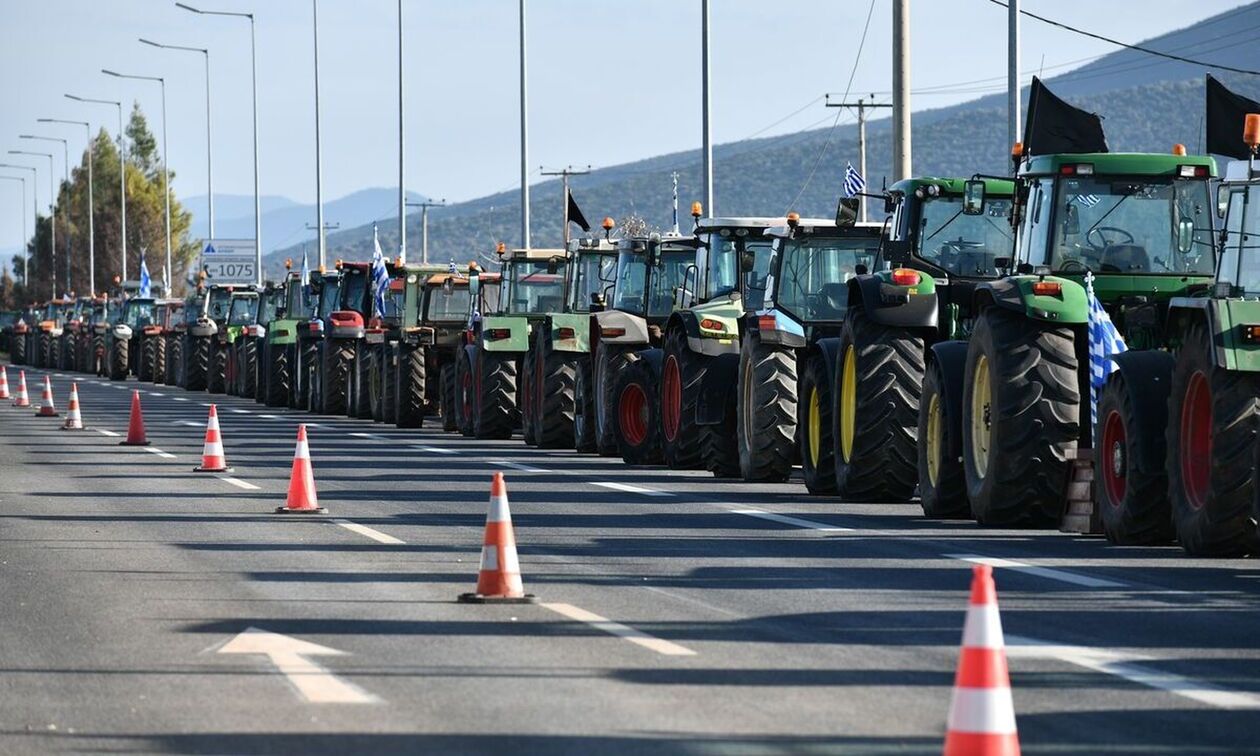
499	579
21	399
46	406
74	420
302	498
982	712
212	458
4	383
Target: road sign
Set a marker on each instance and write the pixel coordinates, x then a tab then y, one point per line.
229	261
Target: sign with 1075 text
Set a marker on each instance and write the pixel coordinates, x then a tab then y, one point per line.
229	261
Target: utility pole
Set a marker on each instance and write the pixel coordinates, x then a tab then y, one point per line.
321	228
1012	74
524	140
564	175
319	169
674	176
862	105
901	90
706	105
424	225
402	147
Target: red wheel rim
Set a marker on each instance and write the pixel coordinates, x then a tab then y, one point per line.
671	393
1196	440
1115	458
631	410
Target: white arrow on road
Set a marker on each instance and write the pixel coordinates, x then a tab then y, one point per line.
288	655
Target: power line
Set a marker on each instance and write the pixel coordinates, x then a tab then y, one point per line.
1127	46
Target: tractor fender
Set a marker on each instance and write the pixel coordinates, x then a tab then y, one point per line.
891	305
634	329
654	356
950	358
721	375
829	350
1015	293
1148	375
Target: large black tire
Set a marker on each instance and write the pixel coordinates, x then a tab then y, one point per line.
335	367
584	405
358	395
636	414
304	371
495	412
878	381
465	394
159	358
248	366
378	374
450	420
1213	427
148	360
1133	502
766	410
942	485
385	355
681	380
197	364
118	360
527	395
18	349
217	375
1019	441
100	359
279	374
555	379
610	360
720	443
412	377
63	351
174	360
814	426
41	350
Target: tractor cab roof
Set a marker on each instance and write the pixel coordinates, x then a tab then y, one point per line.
1119	164
592	244
1239	172
660	241
992	187
822	227
530	254
708	225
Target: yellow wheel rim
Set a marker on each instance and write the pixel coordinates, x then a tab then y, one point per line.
815	427
848	402
981	407
934	439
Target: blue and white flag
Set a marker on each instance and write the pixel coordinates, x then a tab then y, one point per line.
380	276
452	269
854	184
146	283
1088	200
1105	342
306	268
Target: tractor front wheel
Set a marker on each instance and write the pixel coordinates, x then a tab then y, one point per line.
118	360
335	377
148	360
247	366
942	486
465	393
766	410
450	420
610	360
584	406
1133	502
496	415
818	461
411	372
279	375
216	378
555	374
636	416
528	397
682	377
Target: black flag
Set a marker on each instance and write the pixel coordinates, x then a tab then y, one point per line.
1226	112
575	214
1053	126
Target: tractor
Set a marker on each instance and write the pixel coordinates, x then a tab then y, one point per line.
457	381
243	310
23	330
385	356
202	362
48	331
312	345
278	373
249	344
168	314
124	339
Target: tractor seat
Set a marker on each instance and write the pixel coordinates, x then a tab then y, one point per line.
1125	258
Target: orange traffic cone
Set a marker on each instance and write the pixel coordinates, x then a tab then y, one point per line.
22	399
302	499
74	421
4	382
212	459
499	580
135	427
46	408
982	713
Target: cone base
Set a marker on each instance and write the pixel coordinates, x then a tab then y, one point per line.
134	443
200	468
41	413
477	598
80	428
310	510
21	404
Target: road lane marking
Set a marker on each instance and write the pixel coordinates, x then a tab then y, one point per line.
434	449
288	655
364	530
369	436
238	411
1131	667
186	422
179	398
628	488
795	522
1044	572
516	466
237	482
269	417
650	642
159	452
104	432
154	393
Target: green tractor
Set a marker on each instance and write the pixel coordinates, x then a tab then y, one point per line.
278	371
202	363
325	292
243	311
391	358
250	346
559	346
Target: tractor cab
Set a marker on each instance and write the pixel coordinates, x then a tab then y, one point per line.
651	271
532	282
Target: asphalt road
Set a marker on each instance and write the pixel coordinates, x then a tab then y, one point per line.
677	614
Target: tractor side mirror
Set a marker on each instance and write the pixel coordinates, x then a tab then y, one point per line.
973	197
847	212
448	287
747	261
553	265
1071	220
1185	235
1222	200
890	205
597	301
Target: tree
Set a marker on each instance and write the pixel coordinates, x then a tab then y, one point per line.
144	151
8	293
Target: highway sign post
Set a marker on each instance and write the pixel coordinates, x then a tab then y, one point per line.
230	261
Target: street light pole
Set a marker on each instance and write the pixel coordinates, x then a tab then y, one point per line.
402	146
65	165
52	209
87	128
524	140
424	225
706	104
319	162
122	173
26	256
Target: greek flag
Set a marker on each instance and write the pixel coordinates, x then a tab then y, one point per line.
1104	343
854	184
1088	200
146	283
452	269
380	276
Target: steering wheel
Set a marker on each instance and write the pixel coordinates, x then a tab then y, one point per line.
1071	263
1099	230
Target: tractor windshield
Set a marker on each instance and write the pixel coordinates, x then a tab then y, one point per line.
592	275
395	298
138	313
631	280
354	283
298	300
964	245
243	311
1240	257
667	276
814	272
489	297
1131	226
55	311
727	255
447	306
531	288
220	301
269	304
328	296
192	307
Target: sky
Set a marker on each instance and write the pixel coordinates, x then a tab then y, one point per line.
610	81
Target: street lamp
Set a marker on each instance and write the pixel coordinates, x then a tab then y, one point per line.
87	128
26	259
166	168
209	147
65	164
253	55
52	208
26	255
122	172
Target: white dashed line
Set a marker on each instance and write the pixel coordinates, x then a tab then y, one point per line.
628	488
159	452
795	522
154	393
516	466
659	645
238	411
364	530
104	432
269	417
434	449
237	482
1044	572
186	422
179	398
368	436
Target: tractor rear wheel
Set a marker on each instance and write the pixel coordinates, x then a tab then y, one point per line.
159	359
41	350
555	374
1213	422
303	373
1021	419
878	383
387	384
411	372
465	393
335	376
527	396
818	450
118	360
681	379
720	443
18	349
766	410
359	395
174	360
636	416
496	415
942	486
100	360
450	421
584	406
216	377
148	359
247	366
610	360
279	374
1133	502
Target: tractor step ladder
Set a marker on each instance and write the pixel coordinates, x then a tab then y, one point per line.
1080	515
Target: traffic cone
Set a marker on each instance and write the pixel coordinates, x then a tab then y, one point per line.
74	421
135	427
4	382
982	714
22	399
46	407
499	580
301	499
212	459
